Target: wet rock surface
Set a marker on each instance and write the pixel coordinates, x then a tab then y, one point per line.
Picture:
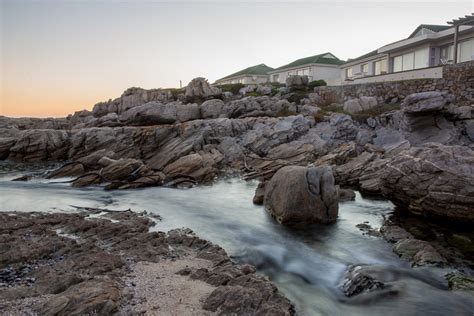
79	264
302	195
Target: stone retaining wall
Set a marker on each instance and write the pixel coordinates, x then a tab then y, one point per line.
457	79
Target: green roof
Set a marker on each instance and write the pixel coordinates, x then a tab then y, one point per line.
372	53
432	27
316	59
261	69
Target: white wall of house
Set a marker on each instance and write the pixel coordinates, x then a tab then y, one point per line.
426	73
313	71
376	65
248	80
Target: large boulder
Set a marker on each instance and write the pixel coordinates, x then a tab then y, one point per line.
302	195
296	82
150	113
40	144
435	180
211	108
200	89
426	102
352	106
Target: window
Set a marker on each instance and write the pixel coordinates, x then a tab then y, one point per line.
446	54
421	58
466	50
397	63
408	61
276	78
404	62
303	72
364	68
380	67
348	73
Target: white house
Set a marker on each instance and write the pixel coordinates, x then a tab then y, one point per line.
257	74
323	66
419	56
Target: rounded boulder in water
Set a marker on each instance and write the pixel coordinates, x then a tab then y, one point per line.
298	195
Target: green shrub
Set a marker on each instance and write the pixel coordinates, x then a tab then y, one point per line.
232	87
362	117
277	84
252	94
316	83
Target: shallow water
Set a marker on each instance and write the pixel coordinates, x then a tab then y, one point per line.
307	265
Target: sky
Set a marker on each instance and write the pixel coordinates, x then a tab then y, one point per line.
57	57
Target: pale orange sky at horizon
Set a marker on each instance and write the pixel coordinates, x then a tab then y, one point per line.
58	57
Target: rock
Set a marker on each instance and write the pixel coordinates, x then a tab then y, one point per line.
211	108
131	98
40	144
150	114
339	156
352	106
469	130
434	180
199	89
391	141
248	295
88	297
349	173
394	233
460	112
368	230
5	144
120	169
188	112
259	194
86	180
72	169
368	103
247	89
264	90
296	82
302	195
346	195
425	102
419	252
358	281
196	166
460	282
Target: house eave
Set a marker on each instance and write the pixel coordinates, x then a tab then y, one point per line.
240	77
302	66
426	38
364	60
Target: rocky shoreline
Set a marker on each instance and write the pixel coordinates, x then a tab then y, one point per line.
101	262
419	156
153	138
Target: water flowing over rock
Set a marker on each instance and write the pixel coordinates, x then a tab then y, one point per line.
199	89
434	180
302	195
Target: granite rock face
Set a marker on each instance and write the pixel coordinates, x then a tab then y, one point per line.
434	180
296	81
200	89
302	195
